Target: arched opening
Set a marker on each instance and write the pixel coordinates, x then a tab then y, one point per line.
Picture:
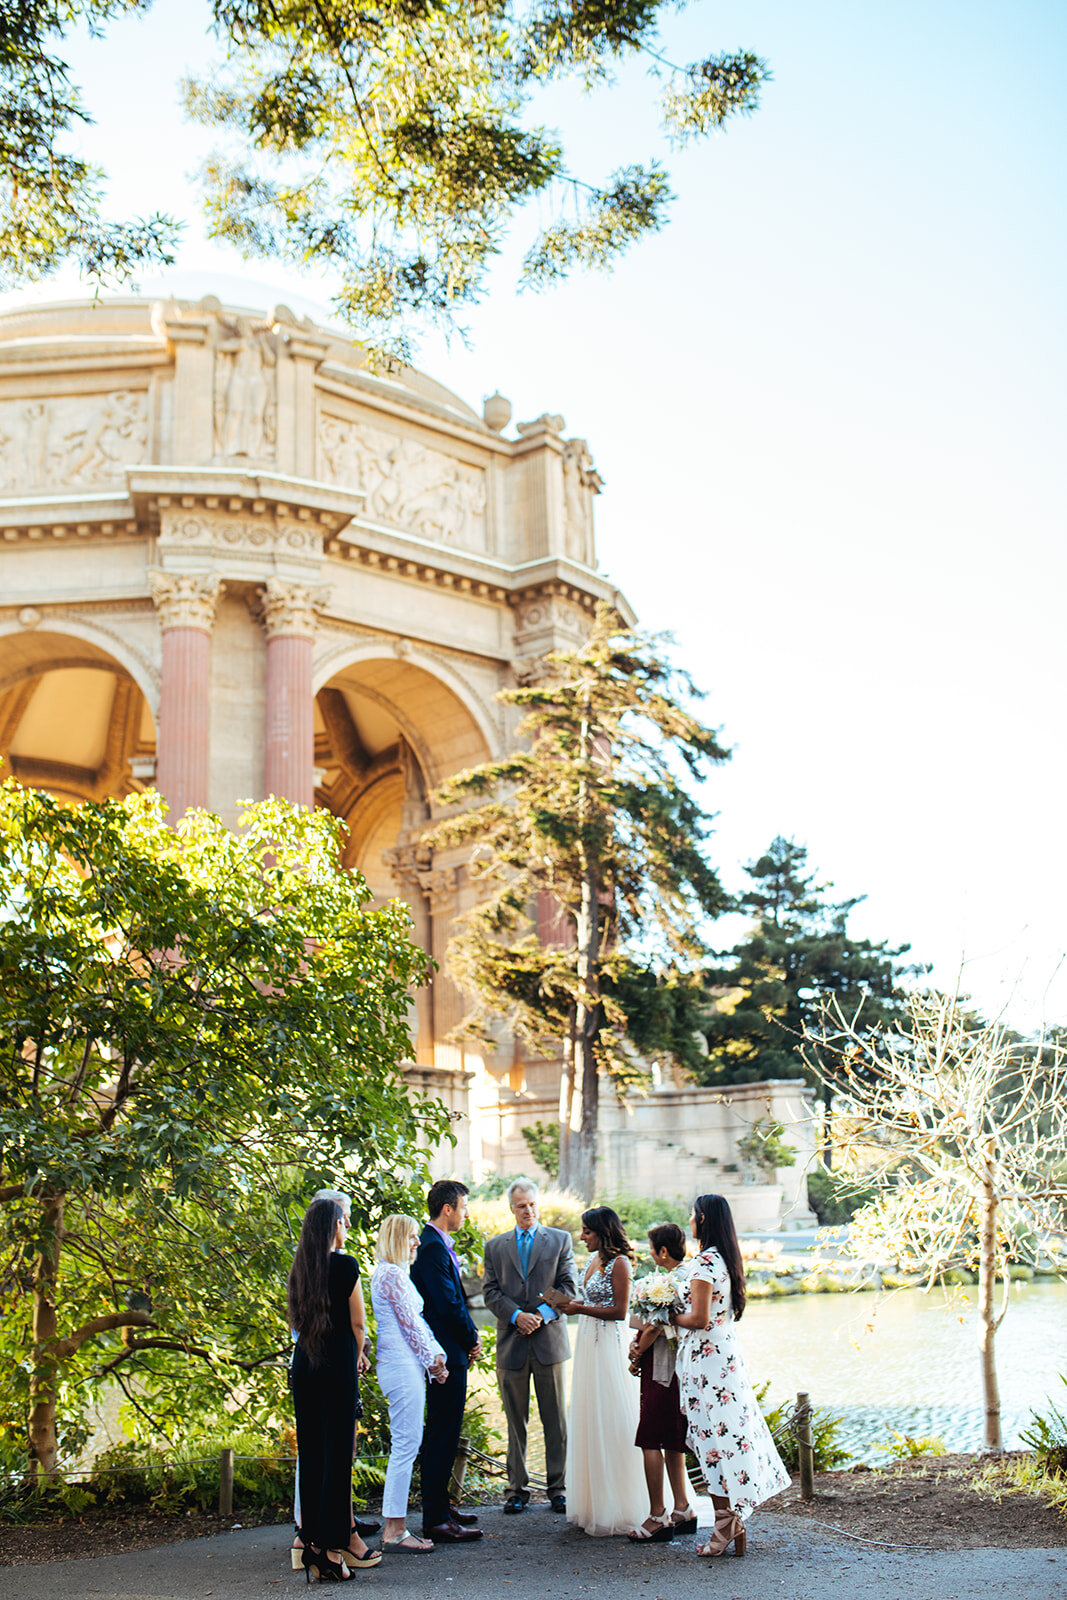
73	721
386	732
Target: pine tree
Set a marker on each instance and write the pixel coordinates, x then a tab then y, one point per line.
797	956
592	817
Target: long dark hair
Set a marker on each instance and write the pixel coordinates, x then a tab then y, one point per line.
715	1230
611	1235
309	1278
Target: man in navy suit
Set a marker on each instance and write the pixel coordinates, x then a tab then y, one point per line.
435	1274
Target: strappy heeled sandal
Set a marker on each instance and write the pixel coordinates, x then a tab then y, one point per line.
729	1529
325	1570
654	1530
369	1558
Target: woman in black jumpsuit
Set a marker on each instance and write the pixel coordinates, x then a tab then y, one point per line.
326	1310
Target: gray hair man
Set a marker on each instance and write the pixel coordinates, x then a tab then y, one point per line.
531	1340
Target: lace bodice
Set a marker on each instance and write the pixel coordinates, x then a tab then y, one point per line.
597	1290
402	1328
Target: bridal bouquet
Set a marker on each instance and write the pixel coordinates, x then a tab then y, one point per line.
655	1297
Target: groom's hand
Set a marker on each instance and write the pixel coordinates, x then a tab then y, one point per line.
527	1322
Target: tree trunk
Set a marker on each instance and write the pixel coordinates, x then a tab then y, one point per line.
42	1422
566	1100
987	1321
585	1094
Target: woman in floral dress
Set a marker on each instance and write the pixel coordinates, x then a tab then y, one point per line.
727	1432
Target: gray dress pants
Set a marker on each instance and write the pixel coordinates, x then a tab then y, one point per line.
515	1393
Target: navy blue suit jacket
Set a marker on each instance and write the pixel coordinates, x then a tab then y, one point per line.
444	1303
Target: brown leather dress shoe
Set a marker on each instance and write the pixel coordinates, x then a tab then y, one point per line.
466	1519
451	1533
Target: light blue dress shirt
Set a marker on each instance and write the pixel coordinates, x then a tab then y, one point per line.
524	1238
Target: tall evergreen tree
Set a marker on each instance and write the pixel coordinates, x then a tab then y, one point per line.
797	956
592	816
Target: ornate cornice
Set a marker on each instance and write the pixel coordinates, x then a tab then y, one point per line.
185	599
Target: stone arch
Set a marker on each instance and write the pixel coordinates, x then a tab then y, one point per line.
75	720
431	665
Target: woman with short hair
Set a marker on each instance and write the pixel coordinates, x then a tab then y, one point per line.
326	1311
662	1429
408	1354
727	1431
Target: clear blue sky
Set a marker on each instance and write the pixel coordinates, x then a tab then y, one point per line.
828	403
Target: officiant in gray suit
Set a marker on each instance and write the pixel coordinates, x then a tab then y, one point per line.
531	1338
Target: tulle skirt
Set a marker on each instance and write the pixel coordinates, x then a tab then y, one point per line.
606	1490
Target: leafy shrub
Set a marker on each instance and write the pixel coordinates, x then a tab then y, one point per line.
826	1450
1047	1438
762	1145
542	1141
639	1214
905	1446
834	1198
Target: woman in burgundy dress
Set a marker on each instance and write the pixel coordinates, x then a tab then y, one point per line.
662	1428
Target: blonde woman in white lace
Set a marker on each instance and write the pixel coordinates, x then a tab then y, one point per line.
408	1354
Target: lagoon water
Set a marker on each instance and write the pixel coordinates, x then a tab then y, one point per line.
907	1361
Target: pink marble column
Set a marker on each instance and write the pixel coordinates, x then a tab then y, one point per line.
290	747
186	605
289	622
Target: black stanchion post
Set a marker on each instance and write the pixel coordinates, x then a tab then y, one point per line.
225	1483
805	1449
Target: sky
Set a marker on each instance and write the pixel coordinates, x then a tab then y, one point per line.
828	404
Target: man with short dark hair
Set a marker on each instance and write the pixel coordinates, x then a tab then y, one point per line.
435	1274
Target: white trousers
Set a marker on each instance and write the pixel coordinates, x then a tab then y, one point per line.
403	1384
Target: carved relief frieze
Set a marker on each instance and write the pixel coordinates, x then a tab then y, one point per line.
263	535
406	485
185	599
71	441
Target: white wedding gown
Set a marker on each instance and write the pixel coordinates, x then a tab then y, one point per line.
606	1491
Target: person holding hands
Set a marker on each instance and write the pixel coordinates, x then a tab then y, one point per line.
521	1267
408	1354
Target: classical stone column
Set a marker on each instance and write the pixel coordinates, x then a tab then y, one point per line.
186	604
408	863
289	623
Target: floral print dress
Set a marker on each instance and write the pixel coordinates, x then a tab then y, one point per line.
727	1433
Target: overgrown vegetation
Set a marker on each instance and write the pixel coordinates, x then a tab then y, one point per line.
835	1197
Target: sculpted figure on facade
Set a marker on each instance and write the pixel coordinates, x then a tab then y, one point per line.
71	441
580	482
245	389
406	485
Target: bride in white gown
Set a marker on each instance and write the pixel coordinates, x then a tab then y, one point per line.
605	1477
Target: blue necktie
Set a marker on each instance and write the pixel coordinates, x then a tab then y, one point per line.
525	1246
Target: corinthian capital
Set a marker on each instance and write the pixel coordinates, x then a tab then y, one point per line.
290	608
185	599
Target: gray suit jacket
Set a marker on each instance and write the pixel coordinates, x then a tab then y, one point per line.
506	1291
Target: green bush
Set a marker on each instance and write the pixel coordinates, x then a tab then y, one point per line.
834	1198
639	1214
827	1452
905	1446
1047	1438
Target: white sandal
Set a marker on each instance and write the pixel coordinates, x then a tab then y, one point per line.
409	1544
654	1530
